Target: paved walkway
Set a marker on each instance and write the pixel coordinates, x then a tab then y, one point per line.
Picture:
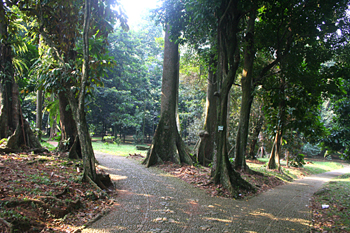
152	201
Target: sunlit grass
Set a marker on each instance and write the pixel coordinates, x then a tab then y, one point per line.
114	149
314	167
48	146
317	167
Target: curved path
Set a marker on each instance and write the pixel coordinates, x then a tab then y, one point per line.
152	201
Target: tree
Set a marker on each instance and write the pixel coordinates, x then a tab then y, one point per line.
229	14
12	122
167	144
221	28
74	77
77	105
198	77
247	92
300	84
338	107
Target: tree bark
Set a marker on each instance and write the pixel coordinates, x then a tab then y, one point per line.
167	143
247	95
39	112
228	60
69	134
206	144
77	105
274	160
255	136
277	145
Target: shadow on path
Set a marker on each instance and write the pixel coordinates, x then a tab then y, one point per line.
152	201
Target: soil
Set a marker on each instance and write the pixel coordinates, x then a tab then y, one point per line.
44	193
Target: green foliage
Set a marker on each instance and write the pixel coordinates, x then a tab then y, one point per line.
311	150
128	103
297	161
13	216
232	160
339	129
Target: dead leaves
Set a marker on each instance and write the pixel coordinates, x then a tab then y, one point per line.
46	193
200	177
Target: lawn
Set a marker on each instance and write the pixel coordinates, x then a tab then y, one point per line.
115	149
288	173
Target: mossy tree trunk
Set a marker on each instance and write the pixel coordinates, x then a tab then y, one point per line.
167	143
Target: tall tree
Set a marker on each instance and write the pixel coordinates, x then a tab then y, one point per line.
296	89
247	91
78	104
219	24
229	14
205	146
167	143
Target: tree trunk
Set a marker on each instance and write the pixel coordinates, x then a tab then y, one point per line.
78	105
228	60
167	143
255	136
12	124
277	145
205	146
247	95
39	112
274	160
69	134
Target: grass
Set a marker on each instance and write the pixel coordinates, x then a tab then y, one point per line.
289	173
336	216
48	145
317	167
114	149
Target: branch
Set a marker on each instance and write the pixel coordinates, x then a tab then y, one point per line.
223	16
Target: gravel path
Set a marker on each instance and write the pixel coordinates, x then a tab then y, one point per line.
151	201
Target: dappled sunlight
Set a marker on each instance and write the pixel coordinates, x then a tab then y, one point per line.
192	202
123	191
324	179
107	168
217	219
108	229
261	213
166	175
117	177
